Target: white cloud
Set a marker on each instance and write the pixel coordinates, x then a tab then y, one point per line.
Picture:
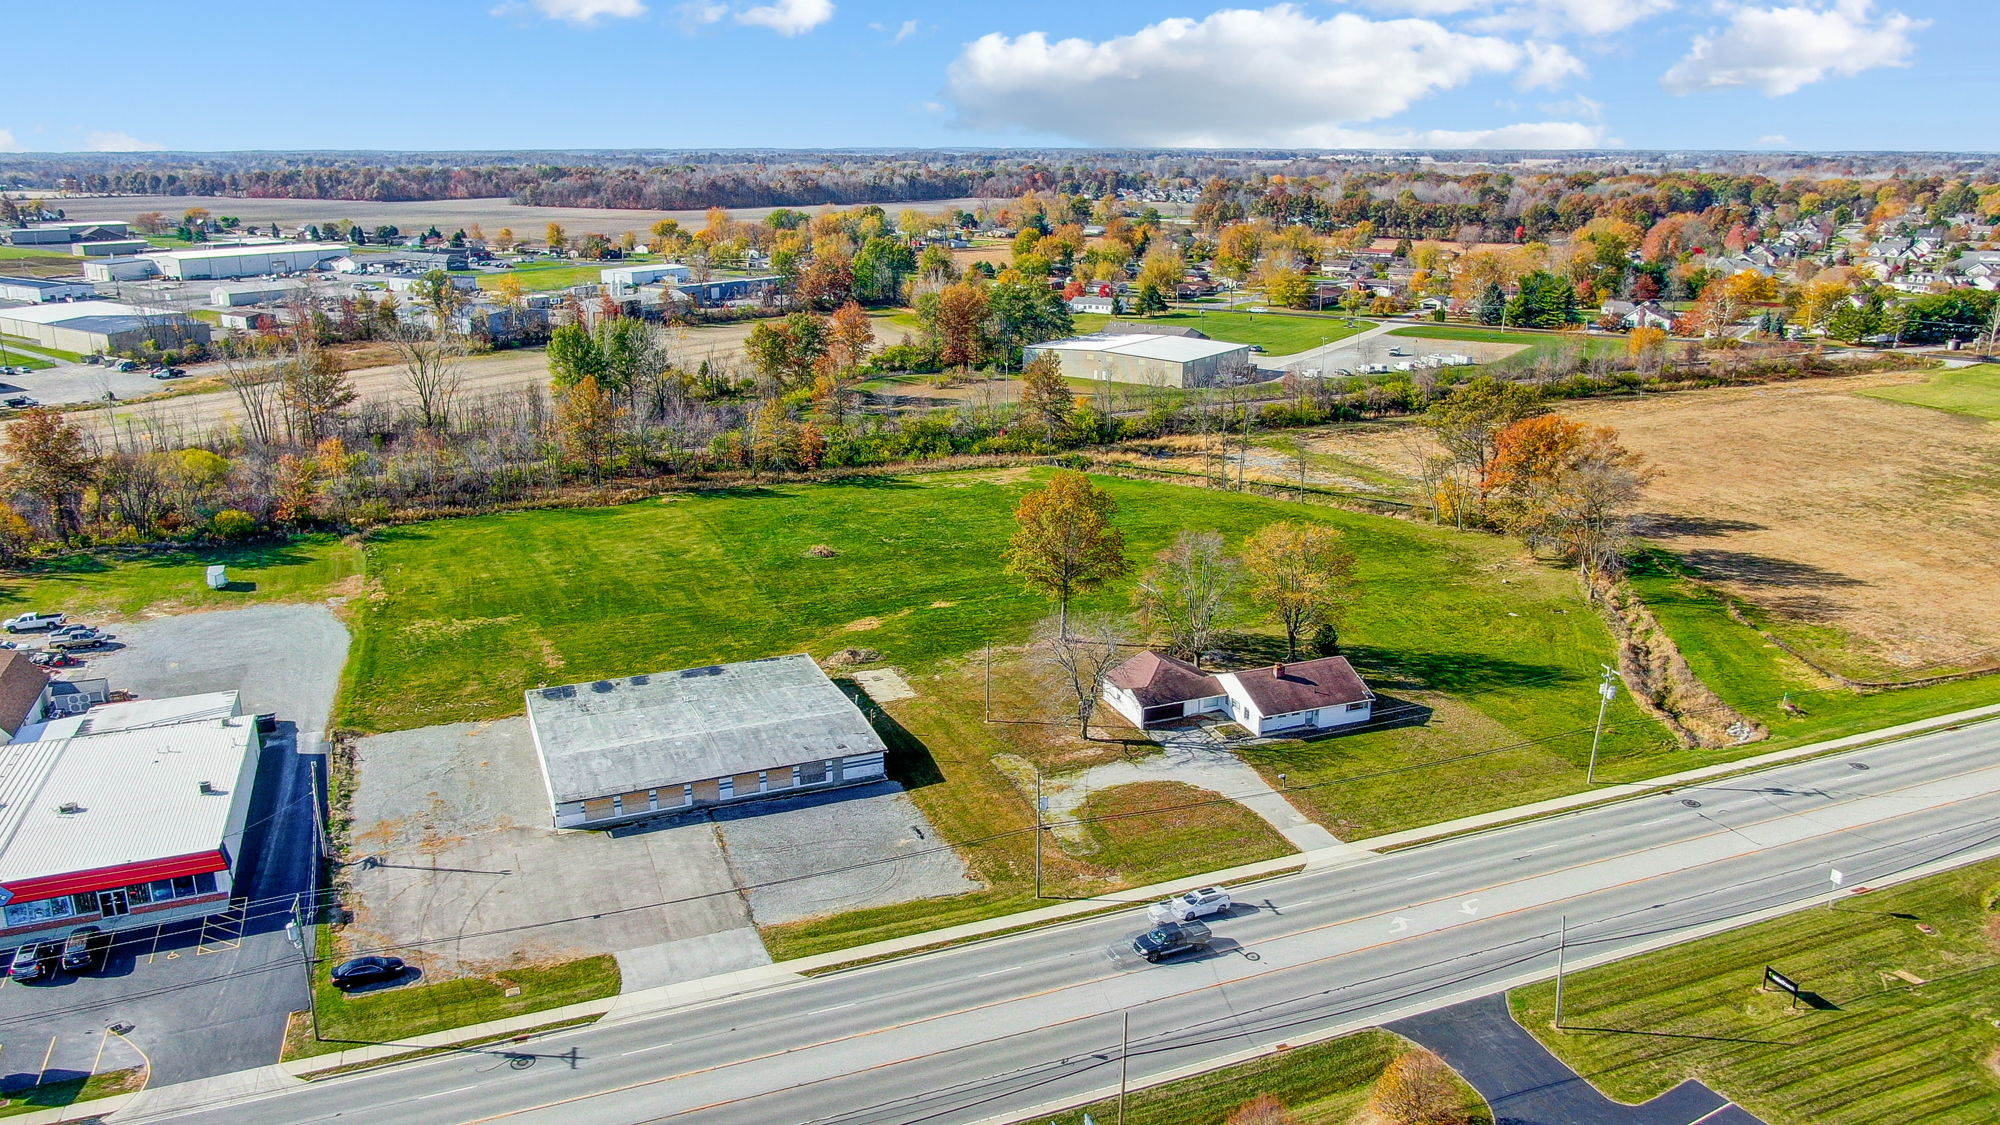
1527	134
789	17
1776	140
1549	64
113	141
1578	106
7	142
1543	17
1238	77
908	29
1780	50
587	12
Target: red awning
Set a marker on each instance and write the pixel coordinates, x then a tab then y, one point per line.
123	875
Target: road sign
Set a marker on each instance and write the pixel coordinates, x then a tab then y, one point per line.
6	896
1775	979
1836	878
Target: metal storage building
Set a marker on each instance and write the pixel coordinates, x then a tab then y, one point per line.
1151	360
614	751
100	326
36	290
222	262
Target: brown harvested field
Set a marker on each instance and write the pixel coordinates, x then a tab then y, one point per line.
1877	518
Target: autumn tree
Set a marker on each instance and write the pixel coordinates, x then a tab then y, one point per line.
788	351
1184	596
1288	287
1046	398
556	237
1071	658
1567	487
1419	1089
48	459
1467	421
431	372
1065	544
314	390
295	489
1303	576
850	338
1261	1110
961	324
587	420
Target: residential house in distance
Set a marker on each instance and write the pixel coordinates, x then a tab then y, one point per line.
1152	689
616	751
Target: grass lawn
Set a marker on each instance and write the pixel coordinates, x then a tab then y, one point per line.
398	1013
97	586
16	1100
1540	343
29	347
1755	676
1182	841
1279	333
1878	1049
552	274
1322	1084
1964	390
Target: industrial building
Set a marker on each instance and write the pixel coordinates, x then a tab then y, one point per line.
1153	360
38	290
120	269
231	294
615	751
725	290
101	326
130	814
1152	689
62	234
248	260
624	279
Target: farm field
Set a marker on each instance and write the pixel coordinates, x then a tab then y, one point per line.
1876	1048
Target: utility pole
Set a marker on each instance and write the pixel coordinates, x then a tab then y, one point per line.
989	679
1040	805
1562	947
1607	689
1124	1056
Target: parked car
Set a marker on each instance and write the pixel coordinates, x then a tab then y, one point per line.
32	621
1170	938
70	640
168	373
36	960
84	949
367	970
19	402
1194	904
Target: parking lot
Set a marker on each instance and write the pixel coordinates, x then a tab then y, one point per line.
210	996
79	382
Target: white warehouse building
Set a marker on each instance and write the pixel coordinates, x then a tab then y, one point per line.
222	262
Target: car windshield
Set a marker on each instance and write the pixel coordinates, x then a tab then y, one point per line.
1161	935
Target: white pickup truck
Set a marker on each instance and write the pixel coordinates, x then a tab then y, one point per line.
1198	903
32	621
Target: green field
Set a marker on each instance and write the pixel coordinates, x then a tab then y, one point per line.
1540	344
1279	333
305	570
1322	1084
1756	677
31	349
1873	1049
1974	391
555	274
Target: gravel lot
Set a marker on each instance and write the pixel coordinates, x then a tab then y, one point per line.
283	658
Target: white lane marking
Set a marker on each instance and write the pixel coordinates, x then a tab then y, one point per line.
1300	905
835	1008
1543	848
997	972
1398	924
442	1093
643	1050
1425	875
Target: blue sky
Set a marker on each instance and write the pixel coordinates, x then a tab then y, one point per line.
503	74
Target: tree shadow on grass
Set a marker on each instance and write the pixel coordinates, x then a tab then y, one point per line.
1460	673
1763	570
1675	525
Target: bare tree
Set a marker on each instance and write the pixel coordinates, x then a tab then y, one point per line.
1186	593
1071	662
431	372
256	389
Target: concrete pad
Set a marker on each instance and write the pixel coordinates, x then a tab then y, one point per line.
885	685
673	962
461	856
842	849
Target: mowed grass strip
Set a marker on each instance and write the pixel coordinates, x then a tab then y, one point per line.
1877	1049
1322	1084
1188	835
1540	343
1972	391
102	586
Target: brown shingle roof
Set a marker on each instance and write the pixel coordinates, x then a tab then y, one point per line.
21	684
1157	680
1282	689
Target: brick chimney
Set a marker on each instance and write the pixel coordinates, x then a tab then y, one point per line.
1278	672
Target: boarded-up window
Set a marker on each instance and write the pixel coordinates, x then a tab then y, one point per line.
779	779
812	773
746	784
710	790
638	802
598	809
673	796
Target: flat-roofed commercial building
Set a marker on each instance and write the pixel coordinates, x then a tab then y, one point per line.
1151	360
220	262
130	814
100	326
40	290
614	751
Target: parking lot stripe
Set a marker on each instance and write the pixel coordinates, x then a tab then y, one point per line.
102	1040
51	1053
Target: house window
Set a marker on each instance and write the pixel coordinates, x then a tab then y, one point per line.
812	773
1362	706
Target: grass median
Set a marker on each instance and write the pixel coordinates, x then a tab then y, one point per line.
1898	1023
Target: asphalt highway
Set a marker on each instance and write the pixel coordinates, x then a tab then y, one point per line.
989	1031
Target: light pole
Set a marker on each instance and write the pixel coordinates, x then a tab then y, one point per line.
1607	690
1562	947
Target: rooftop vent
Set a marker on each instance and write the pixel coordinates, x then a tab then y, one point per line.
208	789
711	670
603	687
69	808
564	692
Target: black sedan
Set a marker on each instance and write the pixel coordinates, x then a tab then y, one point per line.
84	949
364	971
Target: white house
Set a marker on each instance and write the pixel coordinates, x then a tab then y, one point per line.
1087	303
1151	689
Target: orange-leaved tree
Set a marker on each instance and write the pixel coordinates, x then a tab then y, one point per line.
1065	544
1561	485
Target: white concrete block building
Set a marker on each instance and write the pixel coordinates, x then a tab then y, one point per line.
1153	689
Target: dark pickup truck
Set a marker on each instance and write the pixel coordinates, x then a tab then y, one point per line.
1170	938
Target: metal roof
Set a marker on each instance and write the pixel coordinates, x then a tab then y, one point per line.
135	791
255	249
60	311
45	283
670	728
1172	348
